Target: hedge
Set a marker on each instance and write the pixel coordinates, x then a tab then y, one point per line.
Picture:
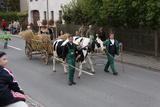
9	16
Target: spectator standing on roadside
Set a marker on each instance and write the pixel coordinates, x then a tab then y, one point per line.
4	25
61	33
77	34
102	34
82	30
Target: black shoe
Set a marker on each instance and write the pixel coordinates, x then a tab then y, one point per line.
70	83
74	83
115	73
106	71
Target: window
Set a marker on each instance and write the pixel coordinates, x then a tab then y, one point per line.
45	15
60	15
52	15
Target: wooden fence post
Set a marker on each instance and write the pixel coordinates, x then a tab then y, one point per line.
156	43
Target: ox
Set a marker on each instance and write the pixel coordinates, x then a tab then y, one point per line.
86	47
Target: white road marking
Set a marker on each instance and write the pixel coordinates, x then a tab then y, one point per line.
14	47
82	70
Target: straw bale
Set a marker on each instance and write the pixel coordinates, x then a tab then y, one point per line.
26	35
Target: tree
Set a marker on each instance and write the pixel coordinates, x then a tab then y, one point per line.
115	13
10	5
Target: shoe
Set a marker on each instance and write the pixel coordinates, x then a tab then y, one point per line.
115	73
70	83
74	83
106	71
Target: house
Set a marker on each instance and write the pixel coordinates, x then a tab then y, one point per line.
24	5
40	10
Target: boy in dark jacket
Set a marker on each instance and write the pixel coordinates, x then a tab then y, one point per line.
11	95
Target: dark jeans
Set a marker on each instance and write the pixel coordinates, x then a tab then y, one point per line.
5	45
4	28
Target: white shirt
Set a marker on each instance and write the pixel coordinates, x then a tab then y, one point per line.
112	41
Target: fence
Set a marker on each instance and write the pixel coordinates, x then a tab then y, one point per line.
140	41
134	40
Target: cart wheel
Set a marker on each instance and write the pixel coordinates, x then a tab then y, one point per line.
28	53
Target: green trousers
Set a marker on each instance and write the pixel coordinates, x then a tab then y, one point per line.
71	70
110	63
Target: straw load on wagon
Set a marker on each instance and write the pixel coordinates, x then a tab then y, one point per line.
38	42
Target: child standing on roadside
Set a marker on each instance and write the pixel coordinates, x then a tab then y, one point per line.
11	95
6	37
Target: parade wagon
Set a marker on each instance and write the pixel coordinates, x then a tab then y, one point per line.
37	44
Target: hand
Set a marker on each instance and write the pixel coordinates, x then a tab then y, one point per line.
64	62
79	47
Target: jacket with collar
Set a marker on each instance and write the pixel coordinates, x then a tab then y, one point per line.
8	84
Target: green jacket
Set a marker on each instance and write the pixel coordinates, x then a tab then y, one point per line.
106	44
69	51
6	38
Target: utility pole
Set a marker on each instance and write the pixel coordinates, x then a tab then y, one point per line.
47	13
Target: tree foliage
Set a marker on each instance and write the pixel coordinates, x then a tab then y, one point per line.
115	13
9	5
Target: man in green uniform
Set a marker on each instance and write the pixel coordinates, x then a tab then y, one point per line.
112	49
69	53
6	37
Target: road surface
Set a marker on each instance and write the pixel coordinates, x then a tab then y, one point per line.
135	87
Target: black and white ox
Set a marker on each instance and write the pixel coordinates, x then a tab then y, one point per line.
86	46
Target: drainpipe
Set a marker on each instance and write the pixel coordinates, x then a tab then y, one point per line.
47	11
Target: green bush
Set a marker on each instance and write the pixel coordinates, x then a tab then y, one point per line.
9	16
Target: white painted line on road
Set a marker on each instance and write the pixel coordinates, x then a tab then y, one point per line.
14	47
81	70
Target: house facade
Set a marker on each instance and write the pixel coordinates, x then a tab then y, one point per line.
40	10
24	5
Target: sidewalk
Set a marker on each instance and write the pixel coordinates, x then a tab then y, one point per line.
140	60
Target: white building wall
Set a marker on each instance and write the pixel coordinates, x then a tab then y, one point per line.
24	5
41	6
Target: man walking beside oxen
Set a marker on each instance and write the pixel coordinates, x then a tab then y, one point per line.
69	53
112	49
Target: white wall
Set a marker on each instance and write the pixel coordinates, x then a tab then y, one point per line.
24	5
41	6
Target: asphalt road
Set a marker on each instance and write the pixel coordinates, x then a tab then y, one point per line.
136	87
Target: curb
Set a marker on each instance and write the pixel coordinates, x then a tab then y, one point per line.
141	66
